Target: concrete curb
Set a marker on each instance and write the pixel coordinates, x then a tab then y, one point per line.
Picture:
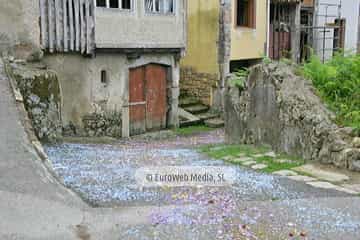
16	91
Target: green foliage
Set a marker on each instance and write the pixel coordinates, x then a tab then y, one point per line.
338	83
239	78
267	60
186	131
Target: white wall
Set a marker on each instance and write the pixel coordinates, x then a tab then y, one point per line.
136	29
349	11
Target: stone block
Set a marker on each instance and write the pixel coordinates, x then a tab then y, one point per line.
249	163
326	175
285	173
259	166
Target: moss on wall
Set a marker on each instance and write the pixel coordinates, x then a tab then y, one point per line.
42	99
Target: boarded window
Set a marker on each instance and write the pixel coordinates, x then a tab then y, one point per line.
245	13
159	6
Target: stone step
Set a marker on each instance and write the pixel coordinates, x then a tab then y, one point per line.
187	102
188	123
215	123
187	119
206	116
197	109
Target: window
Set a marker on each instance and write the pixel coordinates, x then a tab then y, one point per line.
121	4
159	6
101	3
245	13
339	35
104	77
114	3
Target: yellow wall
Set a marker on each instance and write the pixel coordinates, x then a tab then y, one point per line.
249	43
203	32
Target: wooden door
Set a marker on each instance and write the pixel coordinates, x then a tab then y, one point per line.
137	101
148	100
155	97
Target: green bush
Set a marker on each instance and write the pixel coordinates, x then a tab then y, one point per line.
338	83
239	78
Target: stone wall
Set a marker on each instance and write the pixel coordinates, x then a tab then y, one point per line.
105	124
280	109
41	95
198	85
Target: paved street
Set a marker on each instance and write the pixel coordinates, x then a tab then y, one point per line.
33	205
258	205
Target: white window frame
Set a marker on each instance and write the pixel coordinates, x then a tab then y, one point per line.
154	12
120	6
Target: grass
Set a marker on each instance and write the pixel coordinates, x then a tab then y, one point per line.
274	166
186	131
232	152
222	150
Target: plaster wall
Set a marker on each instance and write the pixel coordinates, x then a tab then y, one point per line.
250	43
203	34
136	29
19	23
83	92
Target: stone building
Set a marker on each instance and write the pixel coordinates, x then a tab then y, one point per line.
117	61
223	35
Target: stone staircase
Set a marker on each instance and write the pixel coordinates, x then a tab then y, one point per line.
193	112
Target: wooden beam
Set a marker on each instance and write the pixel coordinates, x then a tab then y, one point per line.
43	23
65	25
51	26
57	25
71	23
88	29
82	28
77	25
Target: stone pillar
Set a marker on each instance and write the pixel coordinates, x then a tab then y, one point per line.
296	33
224	51
125	121
174	92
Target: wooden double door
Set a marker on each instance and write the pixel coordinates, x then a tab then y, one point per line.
147	98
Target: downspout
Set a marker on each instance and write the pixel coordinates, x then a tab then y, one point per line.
267	28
